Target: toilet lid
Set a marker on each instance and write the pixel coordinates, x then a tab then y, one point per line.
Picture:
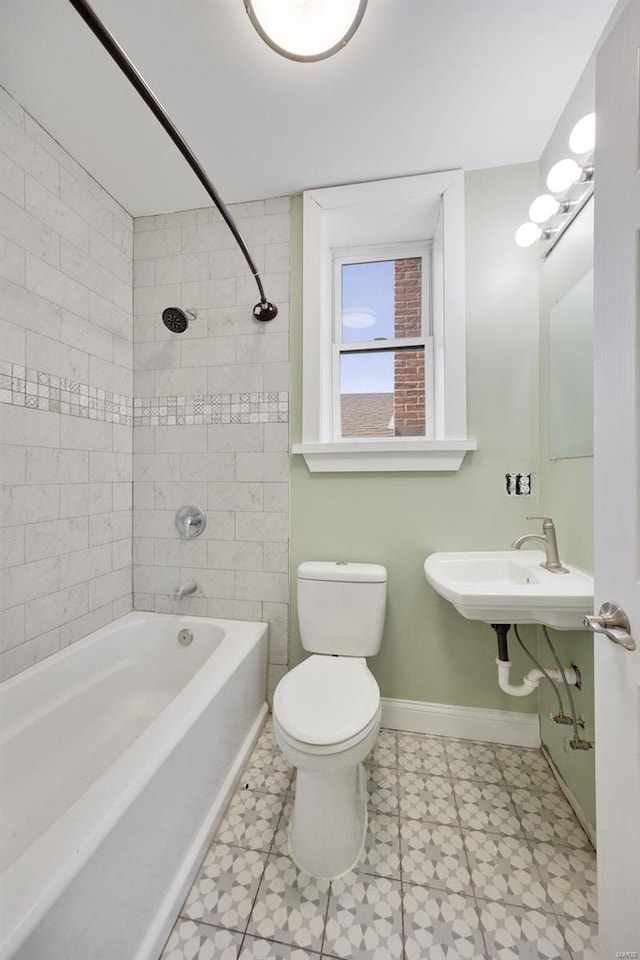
326	699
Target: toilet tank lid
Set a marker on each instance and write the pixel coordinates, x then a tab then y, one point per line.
340	570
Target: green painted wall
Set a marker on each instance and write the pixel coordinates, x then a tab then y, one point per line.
429	651
566	486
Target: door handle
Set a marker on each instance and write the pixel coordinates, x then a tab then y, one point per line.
614	623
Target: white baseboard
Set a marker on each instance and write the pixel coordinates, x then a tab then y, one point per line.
465	723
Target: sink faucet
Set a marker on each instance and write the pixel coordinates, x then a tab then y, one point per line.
548	538
185	589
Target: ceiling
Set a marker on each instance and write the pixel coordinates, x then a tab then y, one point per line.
424	85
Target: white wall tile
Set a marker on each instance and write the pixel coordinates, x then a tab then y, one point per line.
85	499
109	587
58	216
233	555
83	565
50	284
267	586
48	612
110	467
13	464
85	336
23	504
13	261
31	311
107	527
79	434
11	627
55	537
209	466
236	496
28	154
271	467
209	353
22	228
235	609
12	178
233	437
86	624
12	338
264	527
186	439
47	354
13	546
79	199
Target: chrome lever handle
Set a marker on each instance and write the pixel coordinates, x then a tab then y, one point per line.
614	623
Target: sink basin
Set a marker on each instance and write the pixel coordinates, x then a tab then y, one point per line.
510	586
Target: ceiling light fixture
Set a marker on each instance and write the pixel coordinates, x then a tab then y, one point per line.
306	30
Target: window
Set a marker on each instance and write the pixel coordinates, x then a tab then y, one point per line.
383	274
382	342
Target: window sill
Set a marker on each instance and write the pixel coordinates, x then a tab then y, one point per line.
383	456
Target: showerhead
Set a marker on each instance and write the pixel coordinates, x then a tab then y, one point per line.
177	320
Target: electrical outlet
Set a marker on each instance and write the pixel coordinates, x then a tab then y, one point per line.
518	484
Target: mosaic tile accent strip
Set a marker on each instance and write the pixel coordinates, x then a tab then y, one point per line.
27	387
37	390
211	408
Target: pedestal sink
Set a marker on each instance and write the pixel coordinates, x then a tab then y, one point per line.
510	586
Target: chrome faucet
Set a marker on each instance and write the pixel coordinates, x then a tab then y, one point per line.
548	538
185	589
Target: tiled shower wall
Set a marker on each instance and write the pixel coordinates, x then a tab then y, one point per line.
211	417
65	397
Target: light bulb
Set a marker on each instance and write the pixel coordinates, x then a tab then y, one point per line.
562	175
543	208
583	135
527	234
306	29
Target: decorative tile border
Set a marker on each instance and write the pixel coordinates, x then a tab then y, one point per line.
211	408
26	387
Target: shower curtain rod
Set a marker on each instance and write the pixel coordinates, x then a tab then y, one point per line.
263	310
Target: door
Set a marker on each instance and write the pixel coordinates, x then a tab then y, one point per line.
617	483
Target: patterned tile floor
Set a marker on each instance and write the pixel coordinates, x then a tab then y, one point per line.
472	853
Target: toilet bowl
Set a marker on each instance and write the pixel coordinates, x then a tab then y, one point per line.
326	719
326	713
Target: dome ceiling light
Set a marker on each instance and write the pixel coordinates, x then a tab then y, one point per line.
306	30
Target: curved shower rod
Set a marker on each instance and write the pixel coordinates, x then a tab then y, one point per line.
263	310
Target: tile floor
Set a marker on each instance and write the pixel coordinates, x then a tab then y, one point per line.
472	853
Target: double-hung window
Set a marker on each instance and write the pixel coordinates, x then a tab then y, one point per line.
383	355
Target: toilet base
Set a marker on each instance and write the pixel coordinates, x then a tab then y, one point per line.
329	822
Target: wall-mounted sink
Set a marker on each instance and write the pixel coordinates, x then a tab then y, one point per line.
510	586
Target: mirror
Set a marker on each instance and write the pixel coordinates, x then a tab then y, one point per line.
571	372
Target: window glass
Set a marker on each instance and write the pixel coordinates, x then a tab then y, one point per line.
381	299
382	393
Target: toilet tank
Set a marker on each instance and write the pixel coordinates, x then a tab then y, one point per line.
341	607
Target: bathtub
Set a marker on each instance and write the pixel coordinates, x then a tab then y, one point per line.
117	758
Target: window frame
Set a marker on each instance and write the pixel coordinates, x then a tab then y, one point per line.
376	253
385	212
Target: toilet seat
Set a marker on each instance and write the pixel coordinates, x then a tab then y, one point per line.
327	702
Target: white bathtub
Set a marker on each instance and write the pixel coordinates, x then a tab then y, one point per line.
117	757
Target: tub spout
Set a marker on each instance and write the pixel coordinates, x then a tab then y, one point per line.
185	589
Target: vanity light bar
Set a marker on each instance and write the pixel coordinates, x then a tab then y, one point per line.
551	213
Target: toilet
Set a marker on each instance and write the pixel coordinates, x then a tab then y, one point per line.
326	712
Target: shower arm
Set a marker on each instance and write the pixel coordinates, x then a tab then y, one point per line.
263	310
